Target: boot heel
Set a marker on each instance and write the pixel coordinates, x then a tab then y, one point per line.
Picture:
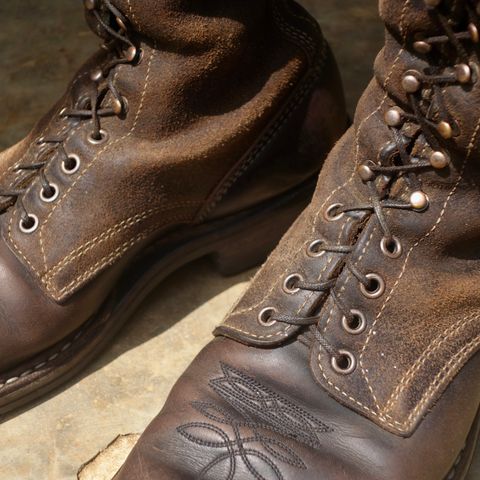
259	233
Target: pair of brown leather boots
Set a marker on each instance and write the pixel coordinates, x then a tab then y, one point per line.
199	130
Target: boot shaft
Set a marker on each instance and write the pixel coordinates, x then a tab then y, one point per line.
388	243
180	106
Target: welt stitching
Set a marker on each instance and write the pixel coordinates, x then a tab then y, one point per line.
63	347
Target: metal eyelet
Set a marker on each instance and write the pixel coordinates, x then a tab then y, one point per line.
391	248
355	328
97	141
330	215
419	201
344	363
411	82
290	282
139	59
265	317
30	225
312	249
90	4
48	199
120	106
378	286
121	23
132	54
71	164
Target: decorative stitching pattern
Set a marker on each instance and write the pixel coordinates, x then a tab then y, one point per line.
257	409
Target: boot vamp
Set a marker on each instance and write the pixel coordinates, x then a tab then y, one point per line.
245	413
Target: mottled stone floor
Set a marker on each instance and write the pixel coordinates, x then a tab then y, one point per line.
42	42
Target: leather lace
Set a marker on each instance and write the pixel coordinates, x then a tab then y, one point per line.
122	51
397	159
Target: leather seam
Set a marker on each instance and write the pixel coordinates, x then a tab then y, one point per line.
90	165
105	261
437	343
332	193
442	376
357	154
111	232
287	112
434	227
10	223
40	135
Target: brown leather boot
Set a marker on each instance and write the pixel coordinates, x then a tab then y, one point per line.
197	130
353	353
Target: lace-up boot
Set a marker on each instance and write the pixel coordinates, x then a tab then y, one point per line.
196	130
353	354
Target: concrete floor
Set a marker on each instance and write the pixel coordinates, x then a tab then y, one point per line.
43	41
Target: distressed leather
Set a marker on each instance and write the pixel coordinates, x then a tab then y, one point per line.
214	91
407	407
397	382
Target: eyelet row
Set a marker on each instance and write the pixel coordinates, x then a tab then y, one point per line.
344	362
69	166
